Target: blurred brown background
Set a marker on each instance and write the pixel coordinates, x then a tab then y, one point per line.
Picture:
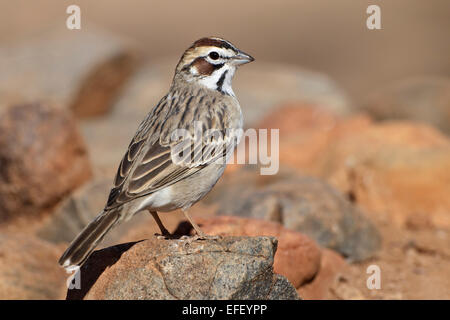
364	120
322	35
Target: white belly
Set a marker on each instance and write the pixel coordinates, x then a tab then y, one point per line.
182	194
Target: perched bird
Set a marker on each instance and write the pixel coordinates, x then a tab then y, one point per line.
161	171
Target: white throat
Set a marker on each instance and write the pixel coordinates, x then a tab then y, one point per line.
220	80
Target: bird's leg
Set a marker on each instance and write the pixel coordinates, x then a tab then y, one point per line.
199	231
164	232
200	234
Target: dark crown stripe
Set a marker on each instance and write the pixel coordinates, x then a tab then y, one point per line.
210	42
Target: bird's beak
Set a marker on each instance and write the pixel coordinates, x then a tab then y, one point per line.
242	58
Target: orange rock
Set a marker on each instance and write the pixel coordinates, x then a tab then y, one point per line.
29	268
297	257
292	118
396	169
331	266
302	127
42	159
305	133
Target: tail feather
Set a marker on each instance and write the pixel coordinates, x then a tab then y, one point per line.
82	246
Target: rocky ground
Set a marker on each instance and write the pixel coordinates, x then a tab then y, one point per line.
357	187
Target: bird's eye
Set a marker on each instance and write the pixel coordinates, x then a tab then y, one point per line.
214	55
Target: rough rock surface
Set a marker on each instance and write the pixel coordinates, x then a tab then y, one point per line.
29	268
298	258
228	268
396	169
332	267
305	204
42	159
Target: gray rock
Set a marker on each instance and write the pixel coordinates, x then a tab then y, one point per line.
282	289
228	268
80	208
75	212
305	204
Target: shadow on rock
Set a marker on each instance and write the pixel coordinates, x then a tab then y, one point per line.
95	266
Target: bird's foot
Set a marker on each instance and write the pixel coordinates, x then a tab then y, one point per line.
196	237
165	236
209	237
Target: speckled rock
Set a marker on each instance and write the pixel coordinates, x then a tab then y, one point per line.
228	268
298	257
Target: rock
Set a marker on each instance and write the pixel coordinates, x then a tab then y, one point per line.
291	118
229	268
425	99
321	287
304	204
343	290
396	170
297	258
80	208
306	132
83	71
309	268
42	159
29	268
76	211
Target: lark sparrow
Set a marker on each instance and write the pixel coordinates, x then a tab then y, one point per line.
148	177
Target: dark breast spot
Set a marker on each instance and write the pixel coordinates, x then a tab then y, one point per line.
221	80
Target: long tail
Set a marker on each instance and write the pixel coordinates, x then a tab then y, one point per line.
82	246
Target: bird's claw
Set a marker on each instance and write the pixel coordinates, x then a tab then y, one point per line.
163	236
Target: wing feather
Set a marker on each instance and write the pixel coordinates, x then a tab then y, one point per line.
149	165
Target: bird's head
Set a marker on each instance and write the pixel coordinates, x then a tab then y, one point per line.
211	62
